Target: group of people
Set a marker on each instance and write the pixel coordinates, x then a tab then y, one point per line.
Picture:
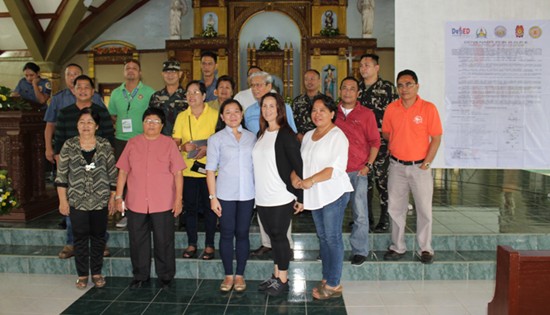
173	151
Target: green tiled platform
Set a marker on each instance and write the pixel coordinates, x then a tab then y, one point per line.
458	257
200	297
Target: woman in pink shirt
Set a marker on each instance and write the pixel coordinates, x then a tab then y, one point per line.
151	166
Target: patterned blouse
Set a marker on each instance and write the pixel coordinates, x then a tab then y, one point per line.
88	185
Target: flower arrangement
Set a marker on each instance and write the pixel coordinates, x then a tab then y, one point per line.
7	196
209	31
330	31
9	103
270	44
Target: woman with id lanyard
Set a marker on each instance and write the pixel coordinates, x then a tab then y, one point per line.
192	129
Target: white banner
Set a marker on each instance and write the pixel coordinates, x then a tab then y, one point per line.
497	94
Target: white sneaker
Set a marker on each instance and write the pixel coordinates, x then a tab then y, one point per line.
122	223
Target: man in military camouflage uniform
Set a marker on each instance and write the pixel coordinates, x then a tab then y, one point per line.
301	105
376	94
171	99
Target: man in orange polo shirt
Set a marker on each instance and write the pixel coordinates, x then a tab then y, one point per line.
413	129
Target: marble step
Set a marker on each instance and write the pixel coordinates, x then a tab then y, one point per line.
448	265
302	241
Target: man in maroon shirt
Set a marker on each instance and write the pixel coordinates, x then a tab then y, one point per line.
359	125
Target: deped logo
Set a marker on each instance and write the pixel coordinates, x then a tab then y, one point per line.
461	31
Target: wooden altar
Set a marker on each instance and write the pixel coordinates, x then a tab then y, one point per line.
317	50
22	155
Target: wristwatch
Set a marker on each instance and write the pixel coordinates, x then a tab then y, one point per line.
427	164
211	197
369	165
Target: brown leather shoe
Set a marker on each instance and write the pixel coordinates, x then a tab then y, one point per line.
106	252
66	252
260	251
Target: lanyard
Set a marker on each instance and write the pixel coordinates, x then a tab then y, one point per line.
131	97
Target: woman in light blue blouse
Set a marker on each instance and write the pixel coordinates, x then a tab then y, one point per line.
232	192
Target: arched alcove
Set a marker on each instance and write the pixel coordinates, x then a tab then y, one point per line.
277	25
297	14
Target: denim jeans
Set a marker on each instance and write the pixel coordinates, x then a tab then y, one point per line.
359	238
235	225
328	223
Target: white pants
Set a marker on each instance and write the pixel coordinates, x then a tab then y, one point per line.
266	242
402	180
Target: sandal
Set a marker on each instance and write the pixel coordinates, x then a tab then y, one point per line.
325	292
319	285
206	255
81	283
99	281
190	253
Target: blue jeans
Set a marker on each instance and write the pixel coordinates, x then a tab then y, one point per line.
235	224
359	238
328	223
70	237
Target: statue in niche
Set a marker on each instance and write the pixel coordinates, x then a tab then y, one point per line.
178	8
329	20
366	7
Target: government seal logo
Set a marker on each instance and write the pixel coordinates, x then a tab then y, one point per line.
535	32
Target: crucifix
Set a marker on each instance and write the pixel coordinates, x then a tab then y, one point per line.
349	58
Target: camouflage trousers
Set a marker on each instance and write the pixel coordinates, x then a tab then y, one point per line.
379	176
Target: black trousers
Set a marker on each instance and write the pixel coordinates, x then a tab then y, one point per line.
89	229
276	221
140	227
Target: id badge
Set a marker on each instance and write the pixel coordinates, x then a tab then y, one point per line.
127	125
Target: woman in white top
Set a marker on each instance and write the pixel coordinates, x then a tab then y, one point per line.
277	164
326	190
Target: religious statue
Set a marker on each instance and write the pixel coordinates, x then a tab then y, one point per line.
329	82
366	7
329	20
178	8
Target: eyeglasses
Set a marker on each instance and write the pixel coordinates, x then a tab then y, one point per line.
257	85
407	85
152	121
195	92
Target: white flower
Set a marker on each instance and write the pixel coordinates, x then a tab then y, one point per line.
90	166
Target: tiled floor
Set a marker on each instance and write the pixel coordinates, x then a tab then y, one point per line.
51	294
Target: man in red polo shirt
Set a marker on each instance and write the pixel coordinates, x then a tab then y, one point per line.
413	129
359	125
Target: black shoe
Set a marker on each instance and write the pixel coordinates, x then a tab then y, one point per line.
382	227
358	260
393	255
136	284
260	251
277	288
165	284
426	258
383	224
266	283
